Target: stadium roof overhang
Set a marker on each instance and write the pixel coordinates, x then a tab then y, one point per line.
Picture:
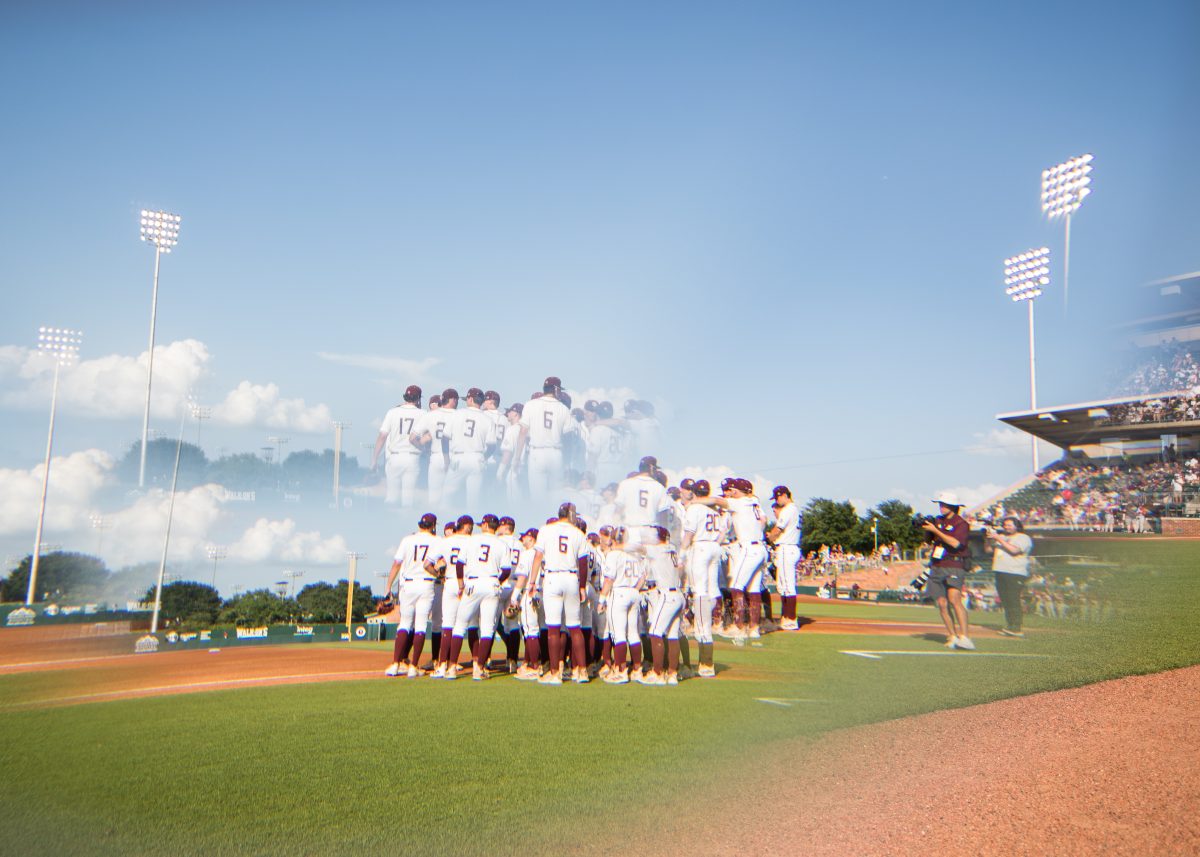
1086	423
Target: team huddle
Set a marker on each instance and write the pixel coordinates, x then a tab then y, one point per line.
662	563
448	455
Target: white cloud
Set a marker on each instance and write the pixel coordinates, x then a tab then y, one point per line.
135	534
280	540
1008	442
109	386
74	481
416	370
263	405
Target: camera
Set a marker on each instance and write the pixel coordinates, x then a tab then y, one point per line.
918	525
918	582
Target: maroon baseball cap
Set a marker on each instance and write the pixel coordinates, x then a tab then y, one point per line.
491	396
531	532
412	393
449	393
428	521
516	406
553	381
475	394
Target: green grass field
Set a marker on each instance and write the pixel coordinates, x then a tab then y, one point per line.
448	768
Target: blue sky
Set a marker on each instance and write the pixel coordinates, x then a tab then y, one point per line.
784	224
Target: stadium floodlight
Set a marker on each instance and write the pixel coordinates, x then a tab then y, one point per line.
63	346
1064	187
293	576
1025	276
354	557
161	230
200	414
216	553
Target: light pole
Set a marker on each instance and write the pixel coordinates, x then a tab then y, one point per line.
338	427
1025	275
161	229
293	576
1063	188
99	525
354	558
200	414
162	565
63	346
216	553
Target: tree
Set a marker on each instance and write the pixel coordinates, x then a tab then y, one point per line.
195	605
895	524
829	522
62	576
160	463
313	471
325	602
243	471
257	608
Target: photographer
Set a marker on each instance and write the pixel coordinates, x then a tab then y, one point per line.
1011	564
948	564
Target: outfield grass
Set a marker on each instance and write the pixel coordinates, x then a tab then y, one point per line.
448	768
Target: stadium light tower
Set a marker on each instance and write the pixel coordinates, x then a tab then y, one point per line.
1064	187
216	553
161	229
338	427
1025	276
63	346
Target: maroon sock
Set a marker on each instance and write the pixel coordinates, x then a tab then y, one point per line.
606	654
588	652
473	639
512	645
418	643
672	656
658	653
767	606
444	649
789	607
483	652
555	653
578	655
544	638
620	651
400	648
533	652
755	608
455	650
635	655
718	611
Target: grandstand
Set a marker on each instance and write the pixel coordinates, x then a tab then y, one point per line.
1131	461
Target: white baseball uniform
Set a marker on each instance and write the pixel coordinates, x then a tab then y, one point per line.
750	556
703	565
667	608
455	549
435	422
606	454
640	499
403	463
487	556
561	544
625	571
547	420
417	583
470	431
787	547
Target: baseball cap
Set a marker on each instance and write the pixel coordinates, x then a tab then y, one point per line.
673	493
449	393
464	521
412	393
435	399
780	489
428	521
512	522
605	410
516	406
553	381
491	396
606	530
648	464
532	532
948	498
745	486
490	520
591	405
475	394
701	488
566	510
687	484
729	482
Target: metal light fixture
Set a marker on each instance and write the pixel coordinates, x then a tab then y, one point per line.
161	230
63	346
1025	276
1064	187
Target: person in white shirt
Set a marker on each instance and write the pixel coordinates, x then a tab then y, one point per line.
701	545
416	565
488	557
544	421
527	599
560	564
1010	562
640	500
667	611
785	535
624	576
455	550
469	435
402	465
510	622
432	430
748	557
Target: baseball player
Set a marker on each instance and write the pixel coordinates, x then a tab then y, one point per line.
748	557
510	621
416	564
560	563
455	550
620	599
701	544
527	600
640	499
468	436
669	580
605	446
433	435
785	535
543	423
403	463
510	462
487	558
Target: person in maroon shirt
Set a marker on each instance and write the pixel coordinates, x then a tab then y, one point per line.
948	566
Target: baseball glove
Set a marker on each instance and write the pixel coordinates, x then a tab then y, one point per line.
387	605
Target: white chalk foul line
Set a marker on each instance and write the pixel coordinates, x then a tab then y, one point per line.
194	685
877	655
783	703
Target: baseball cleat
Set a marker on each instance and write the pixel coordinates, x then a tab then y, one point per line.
672	678
1006	632
452	673
605	671
393	670
755	633
965	643
512	667
549	678
952	642
524	673
738	641
650	678
413	672
616	678
440	672
707	672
